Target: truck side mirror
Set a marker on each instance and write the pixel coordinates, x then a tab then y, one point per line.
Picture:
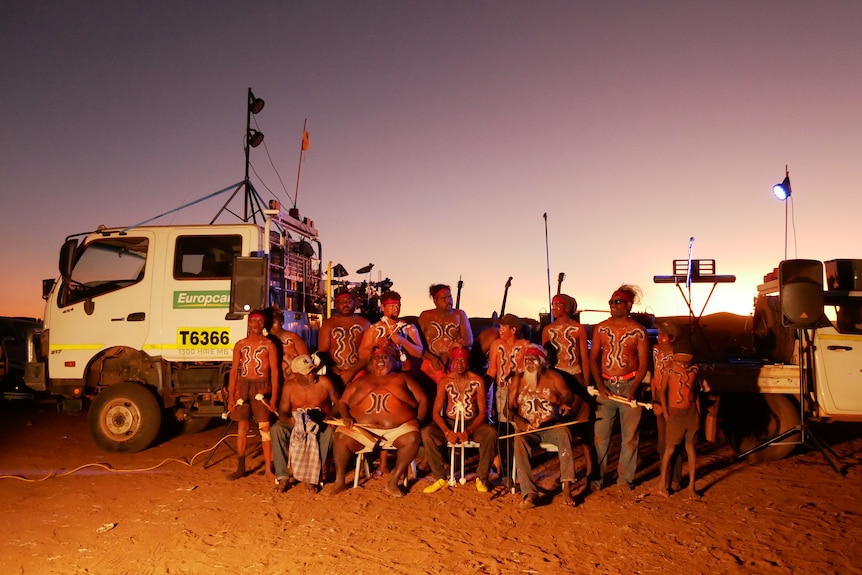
47	286
67	258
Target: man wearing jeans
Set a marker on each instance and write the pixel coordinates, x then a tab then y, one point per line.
619	359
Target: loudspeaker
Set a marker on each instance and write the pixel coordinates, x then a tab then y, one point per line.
800	292
248	284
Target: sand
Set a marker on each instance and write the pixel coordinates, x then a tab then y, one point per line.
152	512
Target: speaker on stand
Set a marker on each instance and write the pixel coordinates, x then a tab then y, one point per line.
800	296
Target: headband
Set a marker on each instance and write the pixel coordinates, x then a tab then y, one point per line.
459	353
623	295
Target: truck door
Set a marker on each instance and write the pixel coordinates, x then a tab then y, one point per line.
841	369
105	303
196	296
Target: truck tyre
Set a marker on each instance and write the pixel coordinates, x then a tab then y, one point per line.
753	419
194	425
125	417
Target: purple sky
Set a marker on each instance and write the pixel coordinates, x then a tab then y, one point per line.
441	132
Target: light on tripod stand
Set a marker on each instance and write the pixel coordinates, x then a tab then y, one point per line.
255	105
782	192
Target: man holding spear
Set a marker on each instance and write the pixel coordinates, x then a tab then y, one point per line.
539	398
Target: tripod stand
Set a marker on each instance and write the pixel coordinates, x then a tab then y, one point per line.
806	436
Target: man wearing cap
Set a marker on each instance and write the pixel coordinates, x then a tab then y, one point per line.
302	439
539	398
443	328
460	395
620	359
565	340
389	330
505	361
340	337
382	407
292	345
253	390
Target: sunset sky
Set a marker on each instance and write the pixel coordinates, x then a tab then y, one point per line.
440	132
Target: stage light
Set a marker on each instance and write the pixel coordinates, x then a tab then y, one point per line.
782	191
255	138
255	105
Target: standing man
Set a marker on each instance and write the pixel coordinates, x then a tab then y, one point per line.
460	393
565	340
505	361
340	337
302	439
253	390
443	328
292	345
620	359
539	397
382	408
389	330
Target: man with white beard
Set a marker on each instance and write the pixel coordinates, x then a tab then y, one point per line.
539	398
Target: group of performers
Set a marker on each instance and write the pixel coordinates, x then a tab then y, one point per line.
370	386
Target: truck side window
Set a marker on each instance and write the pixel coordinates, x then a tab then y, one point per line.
849	317
104	266
206	257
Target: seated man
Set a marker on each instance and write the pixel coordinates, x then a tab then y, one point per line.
539	398
463	391
381	407
301	436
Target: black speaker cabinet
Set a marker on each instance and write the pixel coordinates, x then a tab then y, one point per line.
800	292
248	285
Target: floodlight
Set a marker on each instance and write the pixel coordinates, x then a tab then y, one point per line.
255	105
782	191
255	138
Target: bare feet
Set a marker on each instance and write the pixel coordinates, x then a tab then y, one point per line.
334	488
530	500
692	493
393	490
567	495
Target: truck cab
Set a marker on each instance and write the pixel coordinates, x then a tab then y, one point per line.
143	320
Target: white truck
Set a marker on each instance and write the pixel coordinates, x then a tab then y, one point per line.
143	320
756	401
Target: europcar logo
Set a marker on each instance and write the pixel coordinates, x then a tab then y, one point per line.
201	299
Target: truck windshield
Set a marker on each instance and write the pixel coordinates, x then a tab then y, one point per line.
105	266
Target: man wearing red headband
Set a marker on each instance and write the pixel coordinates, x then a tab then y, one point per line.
253	390
443	328
339	340
389	330
539	398
620	359
459	393
566	340
380	408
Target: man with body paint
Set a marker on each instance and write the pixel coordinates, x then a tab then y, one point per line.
620	358
253	391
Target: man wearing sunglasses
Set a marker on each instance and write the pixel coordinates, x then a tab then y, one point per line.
620	358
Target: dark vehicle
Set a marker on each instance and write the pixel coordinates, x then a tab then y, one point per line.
13	355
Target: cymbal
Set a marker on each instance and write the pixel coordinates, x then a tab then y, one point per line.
365	270
338	271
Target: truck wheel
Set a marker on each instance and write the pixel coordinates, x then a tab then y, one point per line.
125	417
195	425
753	419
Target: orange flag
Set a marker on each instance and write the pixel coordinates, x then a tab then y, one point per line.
305	140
